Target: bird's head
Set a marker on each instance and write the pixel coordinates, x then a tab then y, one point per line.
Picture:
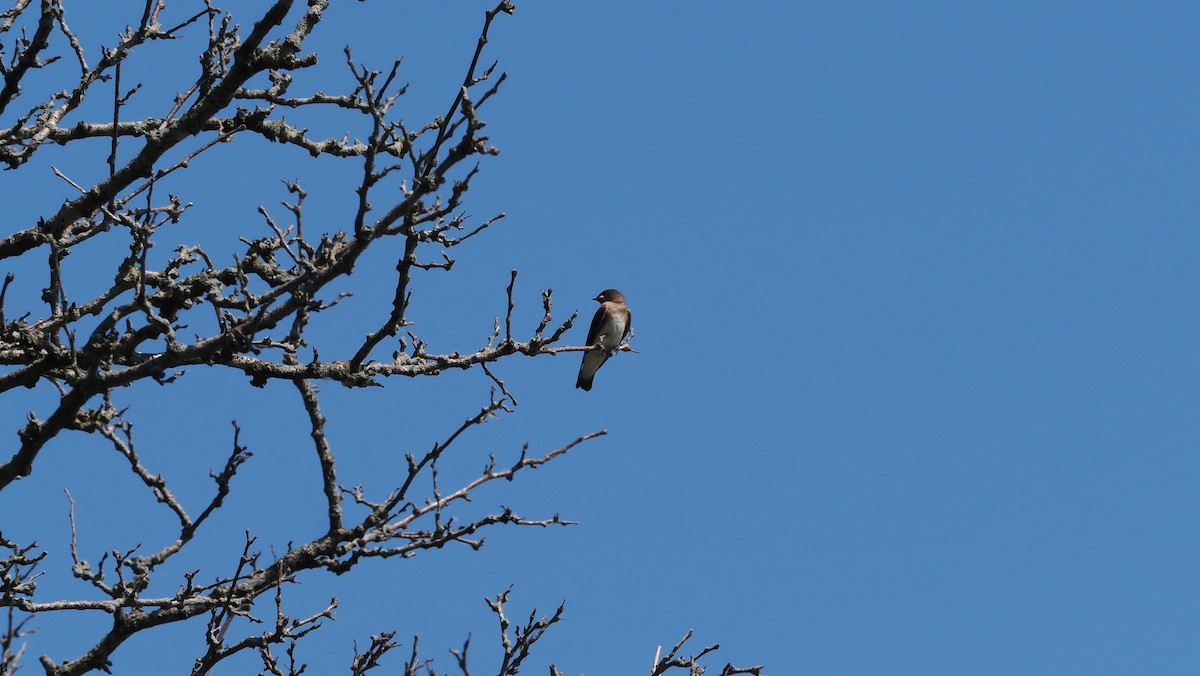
608	295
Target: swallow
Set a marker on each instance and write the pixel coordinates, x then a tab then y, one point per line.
613	321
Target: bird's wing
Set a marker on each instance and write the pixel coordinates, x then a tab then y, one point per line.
628	325
597	323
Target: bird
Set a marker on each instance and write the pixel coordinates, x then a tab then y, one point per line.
613	321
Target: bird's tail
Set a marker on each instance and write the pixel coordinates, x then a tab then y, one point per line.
583	383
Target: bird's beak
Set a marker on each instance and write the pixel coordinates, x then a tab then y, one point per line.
599	299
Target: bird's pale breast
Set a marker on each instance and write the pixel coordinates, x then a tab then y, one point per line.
613	328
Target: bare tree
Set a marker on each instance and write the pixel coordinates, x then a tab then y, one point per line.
250	316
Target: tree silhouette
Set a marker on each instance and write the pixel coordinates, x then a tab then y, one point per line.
160	316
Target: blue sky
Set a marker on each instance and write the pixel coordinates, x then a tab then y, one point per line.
914	293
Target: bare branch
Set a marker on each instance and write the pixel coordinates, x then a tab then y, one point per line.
692	662
518	646
381	644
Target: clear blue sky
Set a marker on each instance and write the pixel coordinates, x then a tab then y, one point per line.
914	288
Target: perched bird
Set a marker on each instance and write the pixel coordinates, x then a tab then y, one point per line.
613	321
